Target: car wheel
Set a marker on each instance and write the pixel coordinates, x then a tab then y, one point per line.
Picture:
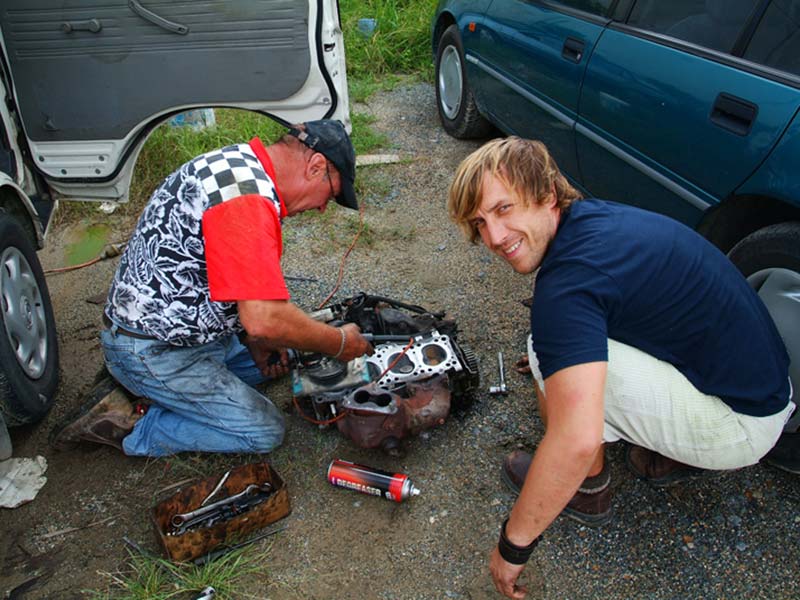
28	345
770	259
457	109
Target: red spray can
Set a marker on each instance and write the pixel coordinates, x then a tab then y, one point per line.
392	486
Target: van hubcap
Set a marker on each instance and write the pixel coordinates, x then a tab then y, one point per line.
23	312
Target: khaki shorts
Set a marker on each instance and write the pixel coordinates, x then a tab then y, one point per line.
648	402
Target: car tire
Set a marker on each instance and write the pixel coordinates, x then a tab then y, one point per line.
28	343
770	260
454	100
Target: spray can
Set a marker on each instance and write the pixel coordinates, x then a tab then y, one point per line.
392	486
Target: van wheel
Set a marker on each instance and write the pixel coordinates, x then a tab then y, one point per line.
770	259
28	344
457	109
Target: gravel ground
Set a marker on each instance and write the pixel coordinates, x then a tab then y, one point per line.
731	536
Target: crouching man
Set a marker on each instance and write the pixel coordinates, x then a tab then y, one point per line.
641	331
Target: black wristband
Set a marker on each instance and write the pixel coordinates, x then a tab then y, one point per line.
516	555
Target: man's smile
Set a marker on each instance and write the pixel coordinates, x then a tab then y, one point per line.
509	251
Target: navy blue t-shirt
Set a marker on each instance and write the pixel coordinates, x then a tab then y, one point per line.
614	271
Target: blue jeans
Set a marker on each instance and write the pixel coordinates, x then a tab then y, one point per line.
203	399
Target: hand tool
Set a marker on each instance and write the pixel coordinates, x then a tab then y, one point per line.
502	389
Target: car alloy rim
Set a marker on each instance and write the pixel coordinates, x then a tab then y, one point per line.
23	312
451	82
779	289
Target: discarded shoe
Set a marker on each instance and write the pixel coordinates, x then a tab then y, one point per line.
786	453
590	506
106	417
659	470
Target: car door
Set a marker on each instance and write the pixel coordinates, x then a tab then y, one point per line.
92	78
528	62
671	117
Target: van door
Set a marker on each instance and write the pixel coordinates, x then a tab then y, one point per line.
92	78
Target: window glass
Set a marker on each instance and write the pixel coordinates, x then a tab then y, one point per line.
776	42
596	7
714	24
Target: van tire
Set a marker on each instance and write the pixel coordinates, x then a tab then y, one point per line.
28	341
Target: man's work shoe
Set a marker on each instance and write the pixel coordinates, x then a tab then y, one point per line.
660	470
106	417
590	506
786	453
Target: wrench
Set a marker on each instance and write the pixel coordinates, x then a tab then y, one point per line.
178	520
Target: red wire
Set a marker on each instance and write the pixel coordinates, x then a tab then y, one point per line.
324	302
73	267
346	254
397	358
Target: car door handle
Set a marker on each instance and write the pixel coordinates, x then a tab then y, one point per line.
733	114
149	15
572	50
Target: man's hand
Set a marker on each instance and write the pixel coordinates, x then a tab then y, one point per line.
505	575
286	326
273	362
355	345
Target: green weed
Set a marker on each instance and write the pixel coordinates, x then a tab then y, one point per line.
399	44
167	148
150	577
365	139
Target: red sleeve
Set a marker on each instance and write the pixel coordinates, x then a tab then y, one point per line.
243	250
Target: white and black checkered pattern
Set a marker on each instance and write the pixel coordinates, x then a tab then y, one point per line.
232	172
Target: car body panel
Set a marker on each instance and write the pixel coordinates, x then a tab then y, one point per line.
597	118
633	99
91	80
778	176
522	78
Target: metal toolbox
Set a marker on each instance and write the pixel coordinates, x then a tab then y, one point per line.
196	542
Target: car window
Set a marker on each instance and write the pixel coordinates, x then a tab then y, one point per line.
776	42
714	24
596	7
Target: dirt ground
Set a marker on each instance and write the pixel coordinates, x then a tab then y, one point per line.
732	536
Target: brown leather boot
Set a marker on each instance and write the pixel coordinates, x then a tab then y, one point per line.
659	470
590	506
106	417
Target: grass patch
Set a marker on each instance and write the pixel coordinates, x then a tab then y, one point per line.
168	148
398	51
365	139
399	44
153	578
361	88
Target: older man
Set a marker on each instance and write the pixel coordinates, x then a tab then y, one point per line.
201	270
640	330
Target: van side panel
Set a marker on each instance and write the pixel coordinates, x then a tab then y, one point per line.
176	48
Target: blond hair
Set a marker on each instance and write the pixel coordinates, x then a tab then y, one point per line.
524	166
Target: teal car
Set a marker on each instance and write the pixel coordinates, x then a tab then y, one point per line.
688	108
